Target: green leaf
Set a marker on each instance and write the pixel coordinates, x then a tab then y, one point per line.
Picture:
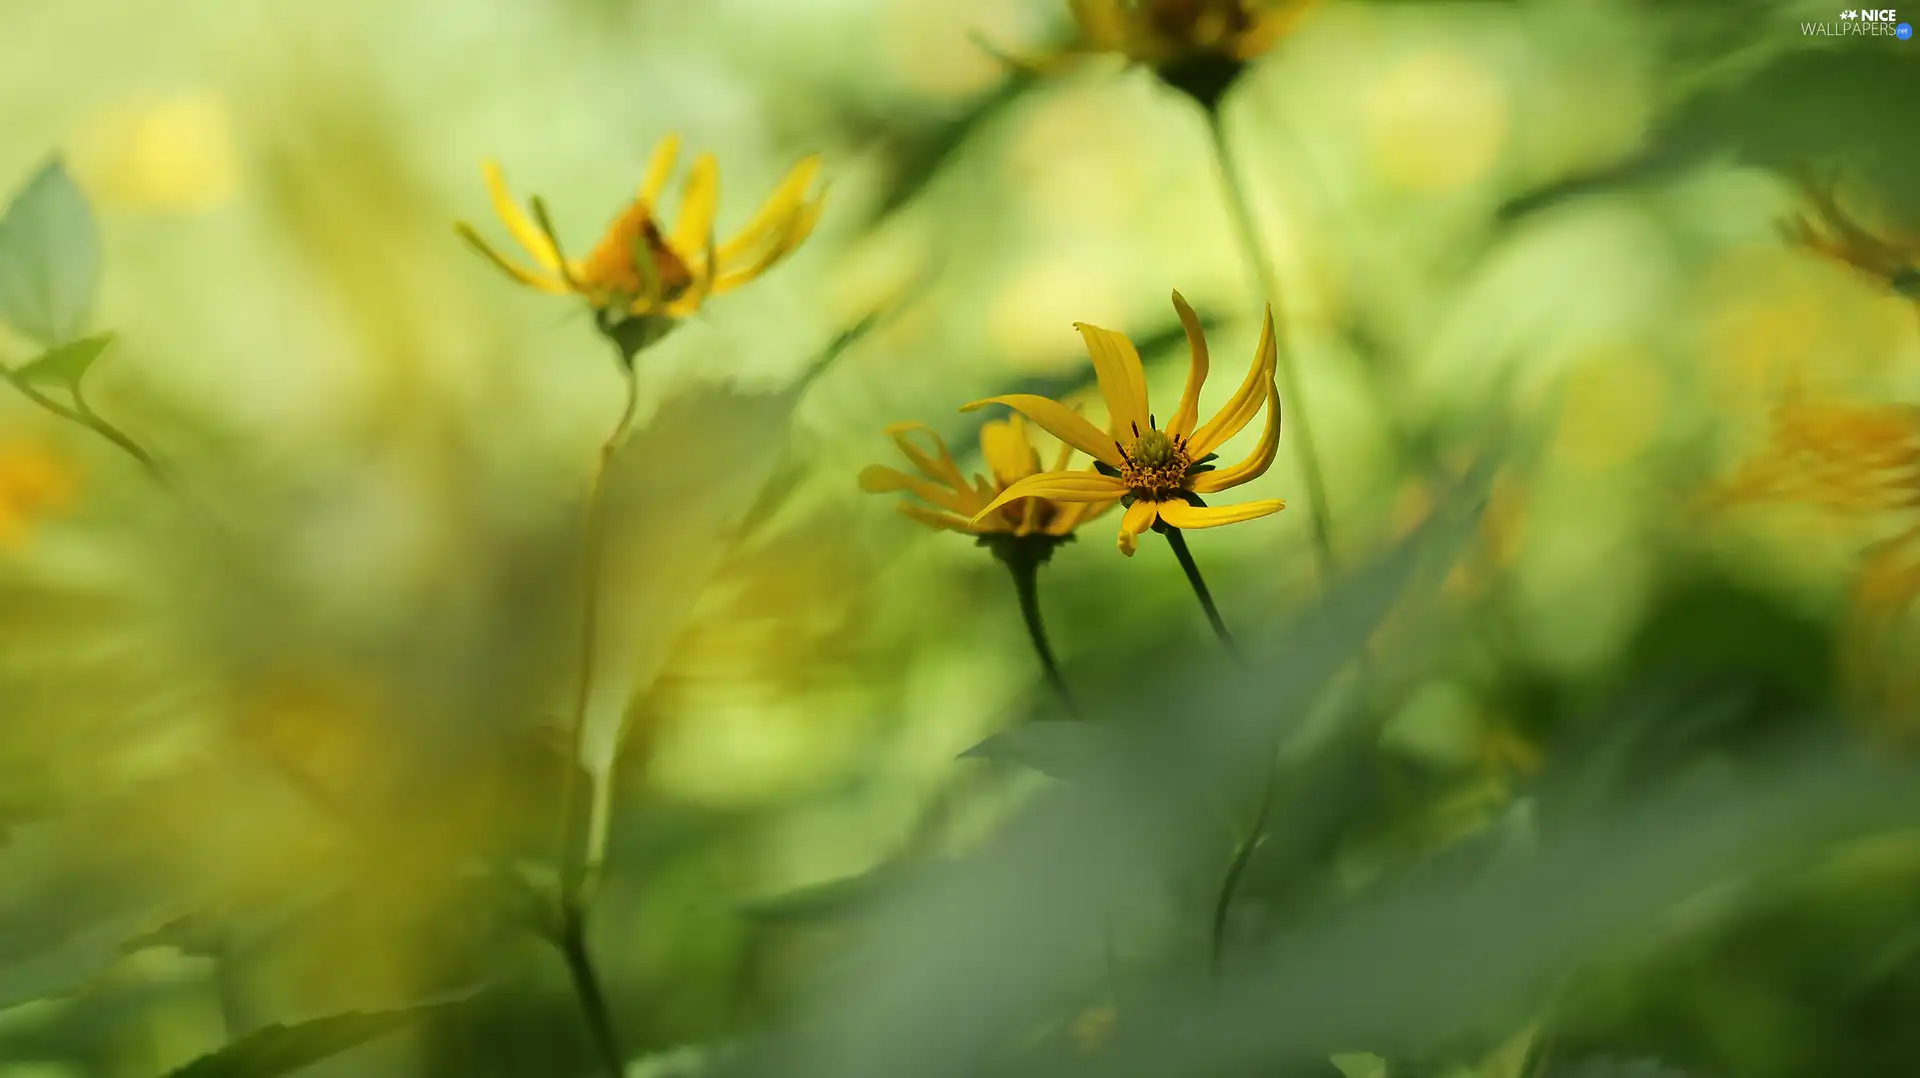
67	364
835	899
49	258
1059	749
283	1049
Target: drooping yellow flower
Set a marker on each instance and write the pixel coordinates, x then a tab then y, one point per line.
638	270
954	503
1158	473
1161	32
34	482
1892	258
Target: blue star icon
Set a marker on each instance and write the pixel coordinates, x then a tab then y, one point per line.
1903	31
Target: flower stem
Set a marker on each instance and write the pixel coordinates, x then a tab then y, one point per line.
1023	560
88	418
585	798
593	1001
1241	208
1178	542
1242	855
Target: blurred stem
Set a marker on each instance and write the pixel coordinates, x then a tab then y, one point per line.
1178	542
1237	868
593	1002
1023	561
1240	206
580	855
88	418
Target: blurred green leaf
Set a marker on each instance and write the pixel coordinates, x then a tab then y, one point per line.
1848	108
49	258
283	1049
835	899
1056	748
67	364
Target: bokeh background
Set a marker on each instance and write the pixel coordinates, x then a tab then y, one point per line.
267	744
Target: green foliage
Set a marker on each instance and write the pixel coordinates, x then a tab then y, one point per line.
49	259
284	1049
66	364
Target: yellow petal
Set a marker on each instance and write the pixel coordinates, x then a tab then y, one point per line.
1061	422
1122	381
1139	517
798	227
1182	515
1246	401
942	521
1188	414
1061	487
659	170
525	232
940	467
1007	450
519	273
1257	462
879	479
699	201
770	222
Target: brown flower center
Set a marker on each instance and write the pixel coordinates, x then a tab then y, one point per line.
613	267
1154	467
1198	23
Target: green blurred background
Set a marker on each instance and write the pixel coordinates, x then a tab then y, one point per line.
248	768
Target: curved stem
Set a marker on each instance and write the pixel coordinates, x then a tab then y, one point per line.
1237	868
586	799
1025	569
88	418
1178	542
1241	208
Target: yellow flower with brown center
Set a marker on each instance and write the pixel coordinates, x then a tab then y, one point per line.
955	503
639	270
1890	257
1158	473
34	483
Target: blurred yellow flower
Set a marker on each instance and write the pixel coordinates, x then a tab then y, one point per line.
1161	32
34	482
636	270
1157	473
1890	257
176	154
963	506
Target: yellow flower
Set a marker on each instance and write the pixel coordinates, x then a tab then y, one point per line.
1163	32
637	270
978	507
33	483
1892	258
1158	473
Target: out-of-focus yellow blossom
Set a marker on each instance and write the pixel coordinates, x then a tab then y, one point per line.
1890	257
1861	460
638	270
34	483
172	155
1163	32
960	505
1158	473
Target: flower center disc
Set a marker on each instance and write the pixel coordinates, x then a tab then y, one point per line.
1156	466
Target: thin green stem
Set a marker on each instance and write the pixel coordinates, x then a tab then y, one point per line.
1178	541
88	418
586	800
1248	230
1025	570
593	1000
1236	869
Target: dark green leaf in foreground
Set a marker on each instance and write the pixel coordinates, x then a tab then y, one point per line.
67	364
49	258
284	1049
